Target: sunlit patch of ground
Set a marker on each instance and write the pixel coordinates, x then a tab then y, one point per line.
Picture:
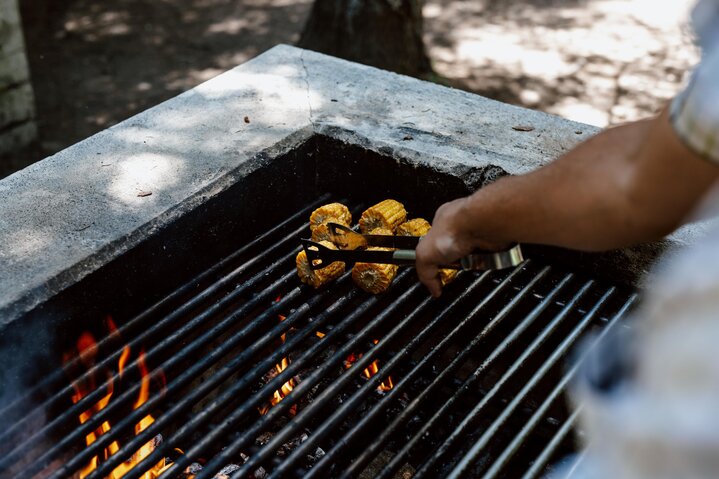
597	61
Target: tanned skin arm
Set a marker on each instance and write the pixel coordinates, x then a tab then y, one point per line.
633	183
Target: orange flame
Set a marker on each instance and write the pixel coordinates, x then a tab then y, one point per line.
286	388
87	350
125	355
370	370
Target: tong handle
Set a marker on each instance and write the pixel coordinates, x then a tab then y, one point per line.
320	256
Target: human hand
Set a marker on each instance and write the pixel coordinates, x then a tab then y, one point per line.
447	241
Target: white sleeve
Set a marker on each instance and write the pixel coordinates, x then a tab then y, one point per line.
695	111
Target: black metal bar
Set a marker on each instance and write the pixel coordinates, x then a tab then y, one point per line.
256	399
233	366
305	386
461	469
398	459
350	405
546	454
128	395
370	450
88	401
553	395
139	320
459	431
188	375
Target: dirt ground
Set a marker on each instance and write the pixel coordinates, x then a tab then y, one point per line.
599	61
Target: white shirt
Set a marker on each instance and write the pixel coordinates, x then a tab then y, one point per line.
695	111
661	421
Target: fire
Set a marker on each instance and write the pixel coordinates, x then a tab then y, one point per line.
370	370
87	351
287	387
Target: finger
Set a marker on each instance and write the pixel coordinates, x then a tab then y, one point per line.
429	276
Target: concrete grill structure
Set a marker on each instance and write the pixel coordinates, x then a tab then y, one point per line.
134	215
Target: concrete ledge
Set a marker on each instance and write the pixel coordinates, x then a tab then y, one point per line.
66	216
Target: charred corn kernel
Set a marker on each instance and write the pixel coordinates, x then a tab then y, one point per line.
373	277
333	212
385	214
446	276
383	232
318	277
415	227
320	233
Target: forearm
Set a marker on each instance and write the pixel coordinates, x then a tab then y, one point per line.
608	192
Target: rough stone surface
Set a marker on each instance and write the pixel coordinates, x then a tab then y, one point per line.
64	217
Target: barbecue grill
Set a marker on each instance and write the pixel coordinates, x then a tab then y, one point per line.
198	353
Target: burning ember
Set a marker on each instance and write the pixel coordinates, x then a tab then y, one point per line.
370	370
87	351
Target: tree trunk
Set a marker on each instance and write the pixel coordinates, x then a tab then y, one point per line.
383	33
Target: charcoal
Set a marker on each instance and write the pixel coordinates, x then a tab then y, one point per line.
316	456
191	470
227	471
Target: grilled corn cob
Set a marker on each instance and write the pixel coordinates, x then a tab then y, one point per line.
385	214
319	277
415	227
321	232
446	276
420	227
373	277
334	212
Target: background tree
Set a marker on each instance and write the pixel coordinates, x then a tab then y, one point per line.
383	33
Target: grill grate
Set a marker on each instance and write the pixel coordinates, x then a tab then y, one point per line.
478	375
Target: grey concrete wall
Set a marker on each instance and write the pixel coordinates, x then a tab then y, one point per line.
17	111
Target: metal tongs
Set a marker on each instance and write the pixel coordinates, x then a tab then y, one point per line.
351	244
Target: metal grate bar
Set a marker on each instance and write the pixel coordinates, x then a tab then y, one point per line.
131	393
308	383
350	405
88	401
19	406
370	452
187	376
236	364
398	459
542	337
541	461
462	468
250	285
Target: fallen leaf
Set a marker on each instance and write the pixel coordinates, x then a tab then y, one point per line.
144	193
523	128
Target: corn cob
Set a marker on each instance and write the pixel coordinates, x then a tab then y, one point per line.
319	277
373	277
415	227
446	276
333	212
321	232
420	227
385	214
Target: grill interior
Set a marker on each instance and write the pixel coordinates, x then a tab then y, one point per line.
477	376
